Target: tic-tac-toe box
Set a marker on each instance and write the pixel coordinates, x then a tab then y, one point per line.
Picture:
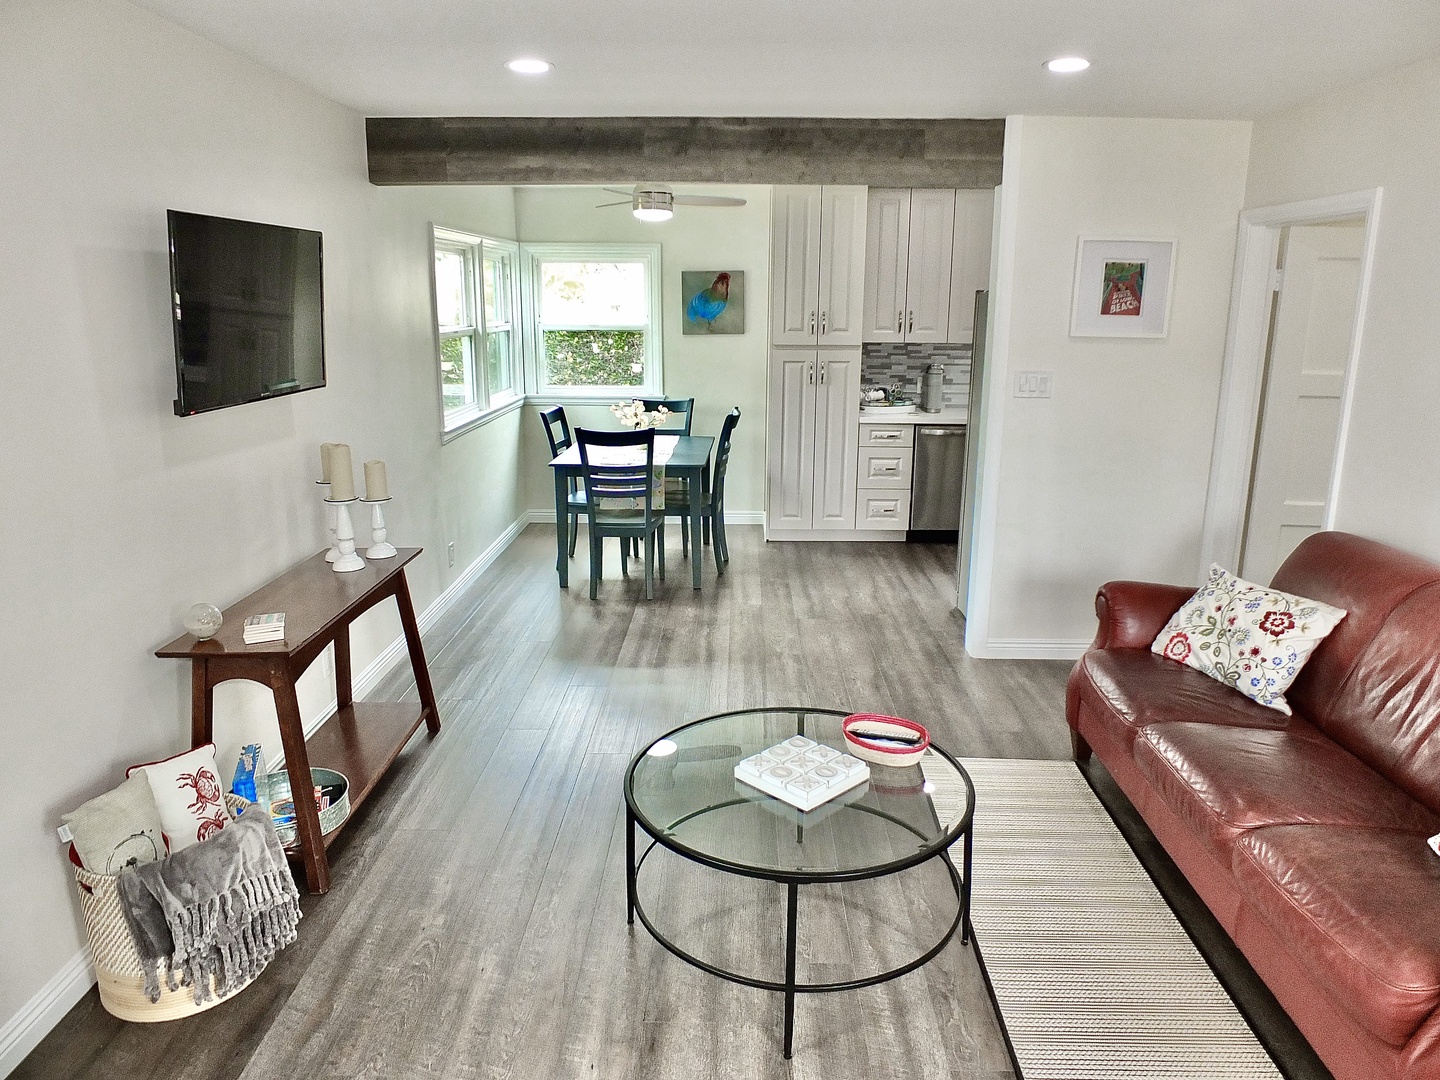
802	772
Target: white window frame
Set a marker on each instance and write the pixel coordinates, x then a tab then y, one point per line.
531	256
487	404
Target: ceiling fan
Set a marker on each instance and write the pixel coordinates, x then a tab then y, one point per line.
657	202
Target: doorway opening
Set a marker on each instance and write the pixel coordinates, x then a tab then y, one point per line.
1302	275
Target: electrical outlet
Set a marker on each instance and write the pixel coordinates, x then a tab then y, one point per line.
1032	384
450	552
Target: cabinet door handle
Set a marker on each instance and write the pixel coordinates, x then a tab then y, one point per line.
822	372
812	324
823	331
811	367
912	322
899	322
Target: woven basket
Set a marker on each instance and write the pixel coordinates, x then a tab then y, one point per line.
117	964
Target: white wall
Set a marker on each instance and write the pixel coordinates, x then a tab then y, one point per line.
1106	478
1384	133
718	371
121	515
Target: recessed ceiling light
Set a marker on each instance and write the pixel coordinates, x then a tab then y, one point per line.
1067	65
529	66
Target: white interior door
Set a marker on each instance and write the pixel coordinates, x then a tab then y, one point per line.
1305	379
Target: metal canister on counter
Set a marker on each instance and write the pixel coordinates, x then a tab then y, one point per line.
932	388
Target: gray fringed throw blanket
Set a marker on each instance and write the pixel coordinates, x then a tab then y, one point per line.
219	909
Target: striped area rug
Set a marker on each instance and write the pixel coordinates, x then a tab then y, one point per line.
1094	976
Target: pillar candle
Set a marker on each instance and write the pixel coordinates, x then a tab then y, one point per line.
342	473
325	448
376	486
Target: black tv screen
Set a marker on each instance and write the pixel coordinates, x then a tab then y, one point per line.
248	307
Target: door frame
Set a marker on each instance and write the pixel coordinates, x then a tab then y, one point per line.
1242	380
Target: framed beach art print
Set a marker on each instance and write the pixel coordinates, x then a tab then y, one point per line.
1122	288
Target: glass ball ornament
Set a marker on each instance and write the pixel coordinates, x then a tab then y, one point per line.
203	620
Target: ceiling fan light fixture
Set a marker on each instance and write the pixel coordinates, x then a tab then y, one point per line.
653	205
1067	65
529	65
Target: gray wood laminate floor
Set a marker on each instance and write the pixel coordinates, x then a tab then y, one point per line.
476	925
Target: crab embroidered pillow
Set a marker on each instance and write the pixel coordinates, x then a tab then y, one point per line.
188	796
1247	636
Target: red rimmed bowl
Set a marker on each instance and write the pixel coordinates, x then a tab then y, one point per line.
884	740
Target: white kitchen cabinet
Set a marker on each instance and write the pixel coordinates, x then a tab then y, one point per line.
970	270
887	254
817	274
880	508
883	477
909	237
813	436
795	265
927	279
885	467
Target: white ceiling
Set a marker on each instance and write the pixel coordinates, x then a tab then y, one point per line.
903	58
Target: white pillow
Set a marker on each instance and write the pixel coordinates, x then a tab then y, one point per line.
1247	636
118	828
189	796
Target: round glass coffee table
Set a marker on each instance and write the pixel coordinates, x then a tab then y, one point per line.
682	792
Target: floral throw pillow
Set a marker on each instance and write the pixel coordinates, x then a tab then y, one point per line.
1247	636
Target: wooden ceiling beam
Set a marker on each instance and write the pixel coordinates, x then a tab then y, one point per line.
665	149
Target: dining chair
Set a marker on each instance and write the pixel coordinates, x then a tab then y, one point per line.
557	432
712	502
620	500
683	408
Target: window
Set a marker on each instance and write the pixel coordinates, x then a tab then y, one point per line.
476	296
596	316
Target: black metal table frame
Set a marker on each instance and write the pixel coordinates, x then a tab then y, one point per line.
792	880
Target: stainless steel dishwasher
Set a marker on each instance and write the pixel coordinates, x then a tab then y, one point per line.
937	485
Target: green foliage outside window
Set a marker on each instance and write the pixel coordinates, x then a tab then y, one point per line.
452	371
595	357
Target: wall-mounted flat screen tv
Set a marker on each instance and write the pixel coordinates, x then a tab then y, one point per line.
248	307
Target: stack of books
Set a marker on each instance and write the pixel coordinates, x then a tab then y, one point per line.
261	628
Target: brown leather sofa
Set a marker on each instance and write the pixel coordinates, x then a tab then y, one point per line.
1305	835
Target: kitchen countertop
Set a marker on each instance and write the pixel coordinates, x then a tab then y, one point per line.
944	416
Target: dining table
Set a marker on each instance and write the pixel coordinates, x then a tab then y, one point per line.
688	458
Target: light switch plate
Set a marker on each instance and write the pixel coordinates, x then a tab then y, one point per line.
1032	384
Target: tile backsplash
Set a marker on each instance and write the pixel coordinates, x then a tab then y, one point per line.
884	364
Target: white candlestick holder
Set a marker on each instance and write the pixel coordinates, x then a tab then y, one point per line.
330	516
348	561
378	548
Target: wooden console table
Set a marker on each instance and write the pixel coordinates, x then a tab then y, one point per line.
363	738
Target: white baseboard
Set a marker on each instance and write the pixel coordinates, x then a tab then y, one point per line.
826	536
1033	649
23	1031
732	517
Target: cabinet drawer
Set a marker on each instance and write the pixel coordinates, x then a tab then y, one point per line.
887	434
884	467
882	509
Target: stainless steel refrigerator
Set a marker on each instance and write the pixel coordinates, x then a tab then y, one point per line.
974	428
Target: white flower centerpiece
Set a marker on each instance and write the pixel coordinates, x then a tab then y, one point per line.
633	414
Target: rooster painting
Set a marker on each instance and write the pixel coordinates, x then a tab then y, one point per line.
709	296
